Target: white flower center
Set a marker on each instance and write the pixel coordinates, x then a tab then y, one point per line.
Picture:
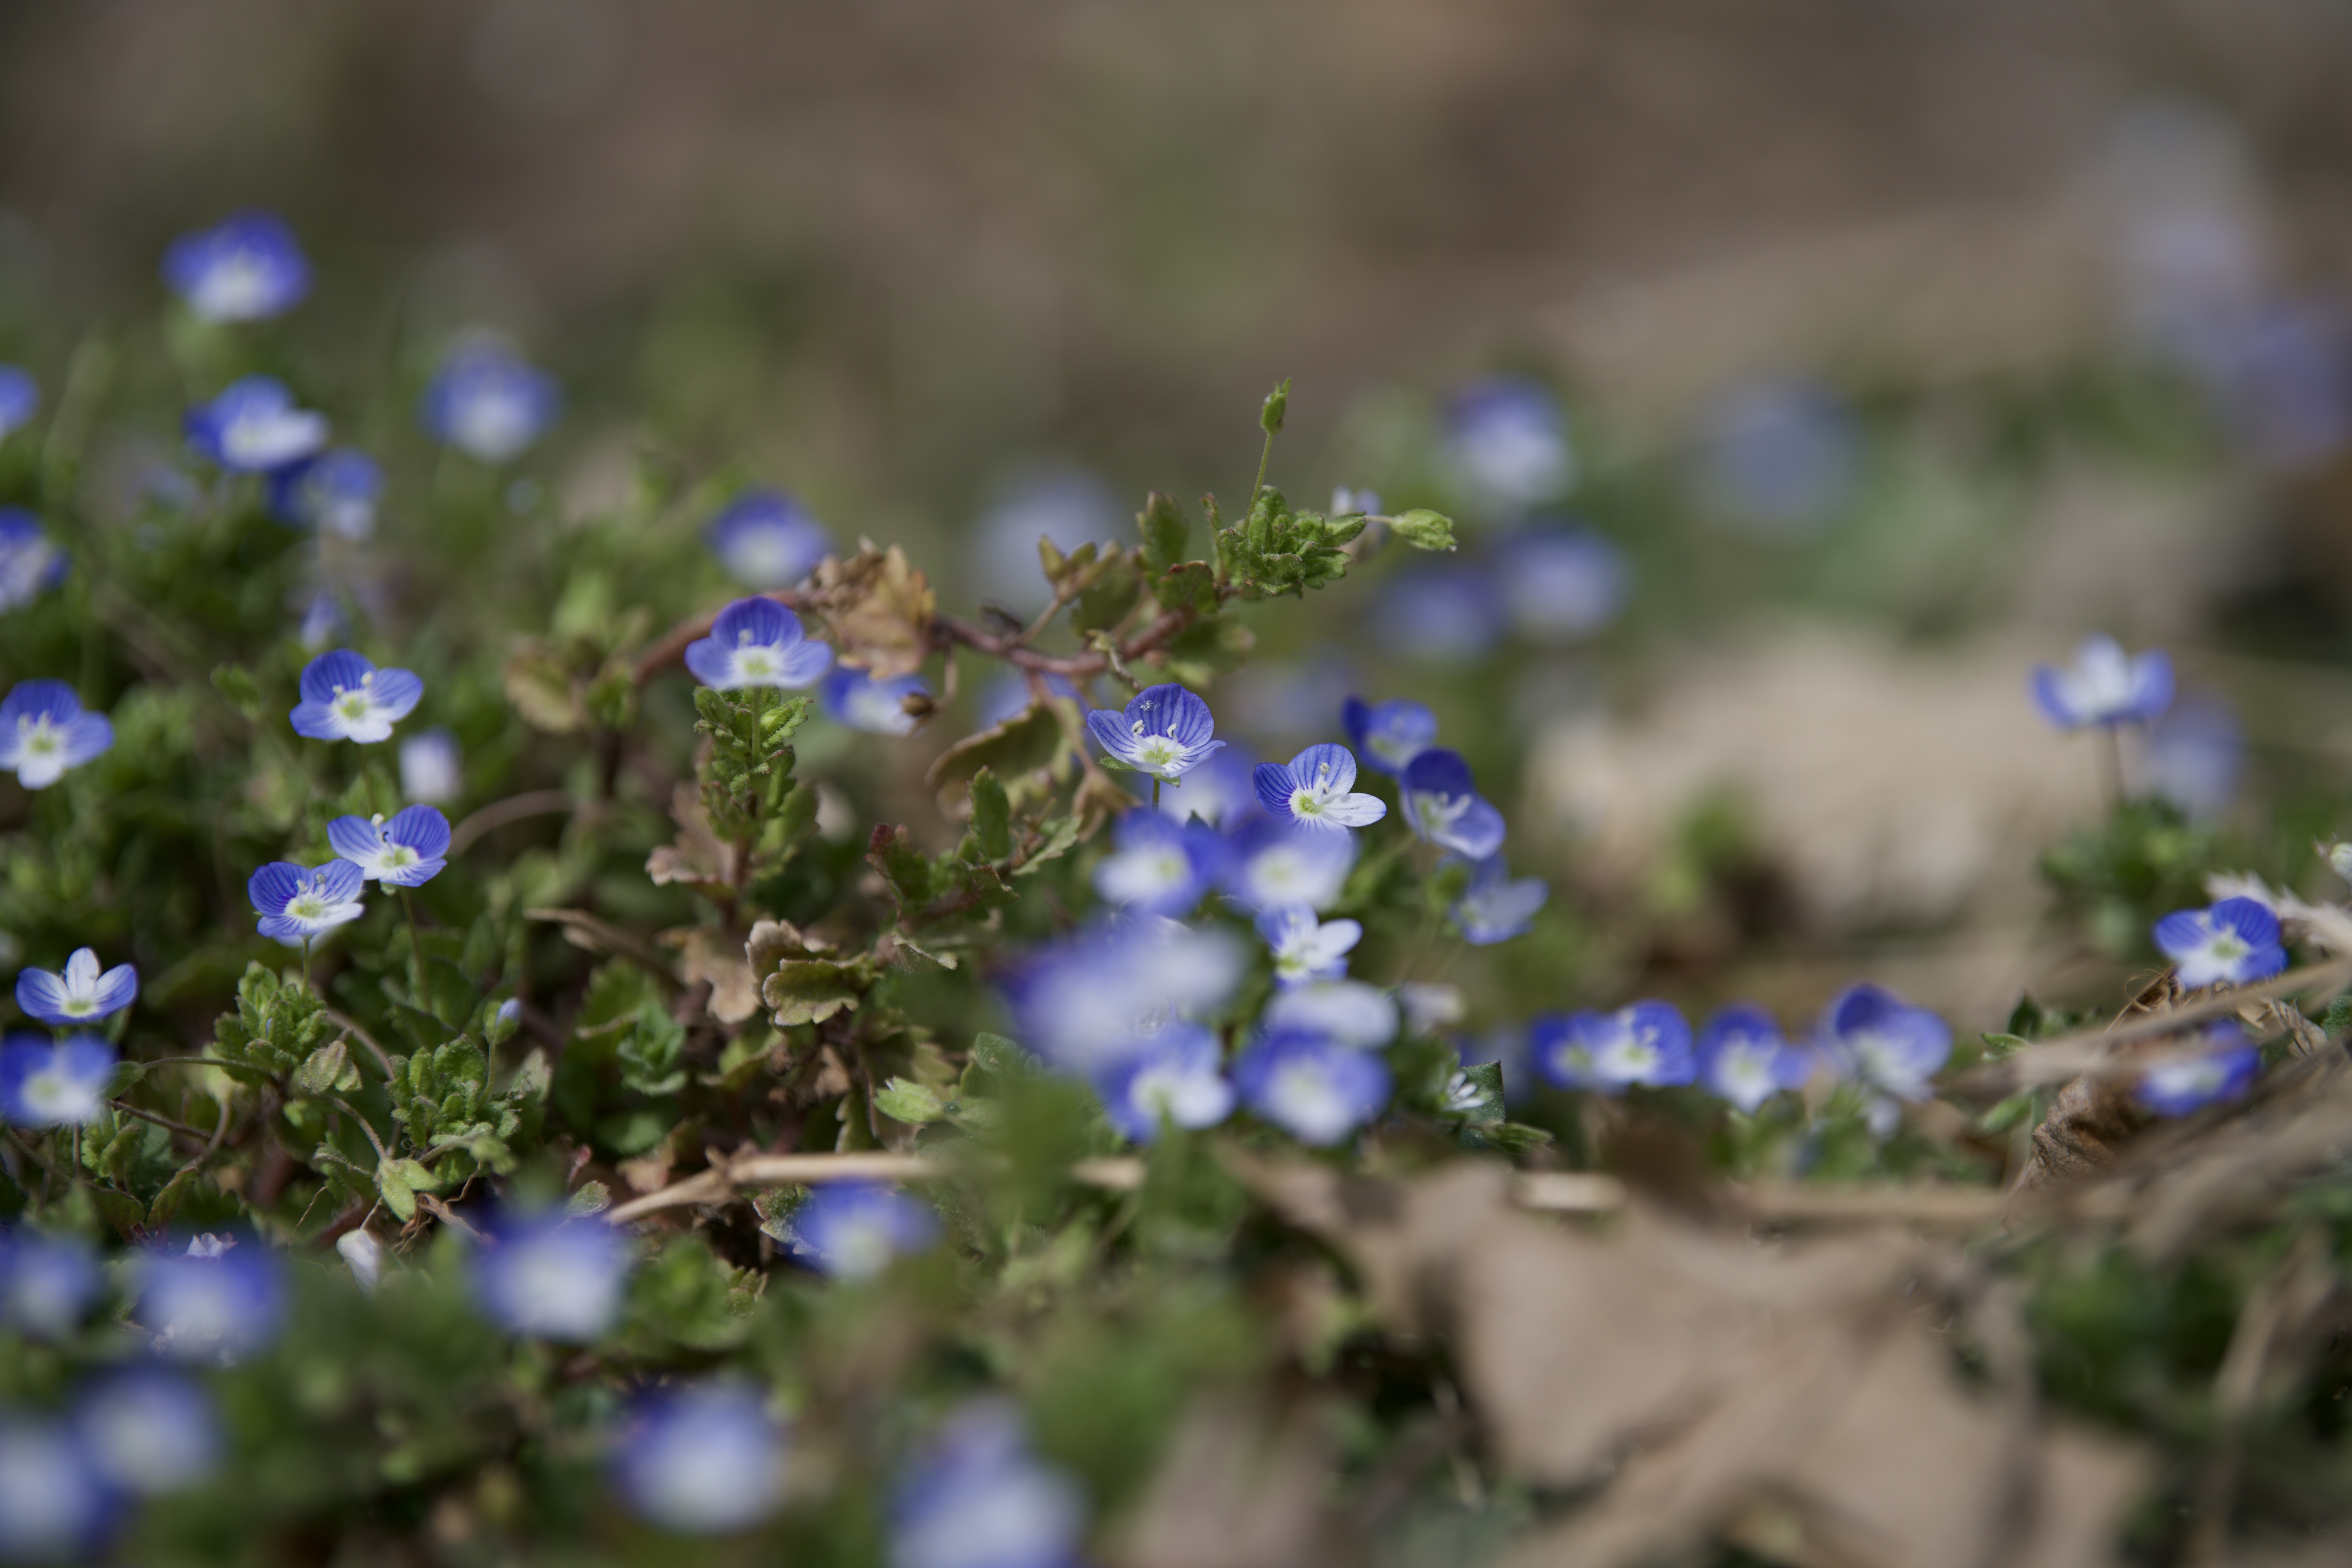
307	907
398	855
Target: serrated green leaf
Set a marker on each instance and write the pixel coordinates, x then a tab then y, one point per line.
901	1099
810	991
328	1071
588	1198
1167	533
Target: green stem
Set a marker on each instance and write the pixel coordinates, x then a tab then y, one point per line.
415	951
1264	456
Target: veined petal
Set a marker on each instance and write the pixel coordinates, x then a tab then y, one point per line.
397	692
356	839
419	827
274	886
1356	810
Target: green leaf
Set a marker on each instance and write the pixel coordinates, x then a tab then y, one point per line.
810	991
167	1201
991	816
1167	534
1024	743
1999	1045
399	1182
1488	1077
1190	586
901	1099
1106	600
328	1071
1425	530
588	1198
1060	834
239	690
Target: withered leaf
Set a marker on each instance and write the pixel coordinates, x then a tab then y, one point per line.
707	953
878	609
697	857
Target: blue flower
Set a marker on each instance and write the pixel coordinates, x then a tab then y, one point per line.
298	906
1876	1039
854	1230
1441	614
55	1506
487	401
2274	373
246	267
48	1284
1217	792
1346	503
1317	789
2194	755
345	698
405	852
337	491
857	700
1647	1043
1390	734
765	539
1443	805
150	1432
218	1301
758	642
253	426
1493	908
1743	1057
2224	1071
82	994
30	561
1307	949
1160	867
1072	508
1560	584
54	1084
1084	1001
2103	685
1778	454
1505	437
44	731
1171	1075
431	768
1165	730
1313	1088
976	1498
554	1277
324	622
1348	1011
1275	864
704	1461
2233	943
20	399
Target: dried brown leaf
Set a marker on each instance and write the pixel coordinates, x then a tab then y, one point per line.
1237	1490
705	953
878	609
697	857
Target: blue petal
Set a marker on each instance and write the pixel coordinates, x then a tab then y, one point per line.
273	887
1111	732
397	692
2183	931
1308	767
804	663
341	668
354	838
42	996
1440	773
117	989
1169	709
32	700
339	881
316	720
710	663
83	737
2249	919
2049	696
767	624
419	827
1275	785
2151	685
1477	833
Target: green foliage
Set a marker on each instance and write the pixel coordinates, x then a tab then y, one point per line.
2144	860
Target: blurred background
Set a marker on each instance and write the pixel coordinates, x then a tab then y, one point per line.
1801	370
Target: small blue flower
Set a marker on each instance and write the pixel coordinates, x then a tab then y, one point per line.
48	1284
1348	1011
431	768
324	622
1743	1057
1880	1041
1160	867
1449	613
1093	996
345	698
82	994
1307	949
2273	372
1560	584
1315	1089
855	700
20	399
1346	503
1505	436
150	1432
554	1277
1007	695
704	1461
1778	453
1493	908
854	1230
1390	734
1070	507
253	426
488	402
30	561
758	642
765	539
1165	730
2103	685
2233	943
246	267
405	852
55	1506
218	1301
976	1498
2194	755
1647	1043
2225	1071
44	731
1275	864
298	906
1315	789
337	491
54	1084
1173	1076
1443	805
1217	792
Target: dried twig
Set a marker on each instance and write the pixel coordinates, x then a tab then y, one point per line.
514	808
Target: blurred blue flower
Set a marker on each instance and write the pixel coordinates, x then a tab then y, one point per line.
1876	1039
1344	502
44	731
2225	1069
217	1302
55	1506
853	1230
1441	805
1390	734
48	1283
150	1432
1172	1075
855	700
1164	731
337	491
758	642
1348	1011
1007	695
1493	908
20	399
2103	685
61	1084
976	1498
487	401
1743	1057
1158	867
2278	374
30	561
324	622
1317	789
1430	1008
765	539
2234	941
1560	584
82	994
1305	948
246	268
431	768
405	852
554	1277
1506	438
297	905
1441	614
1218	791
706	1459
1646	1043
1315	1089
345	698
1093	996
1275	864
253	426
1778	453
1069	507
2194	755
